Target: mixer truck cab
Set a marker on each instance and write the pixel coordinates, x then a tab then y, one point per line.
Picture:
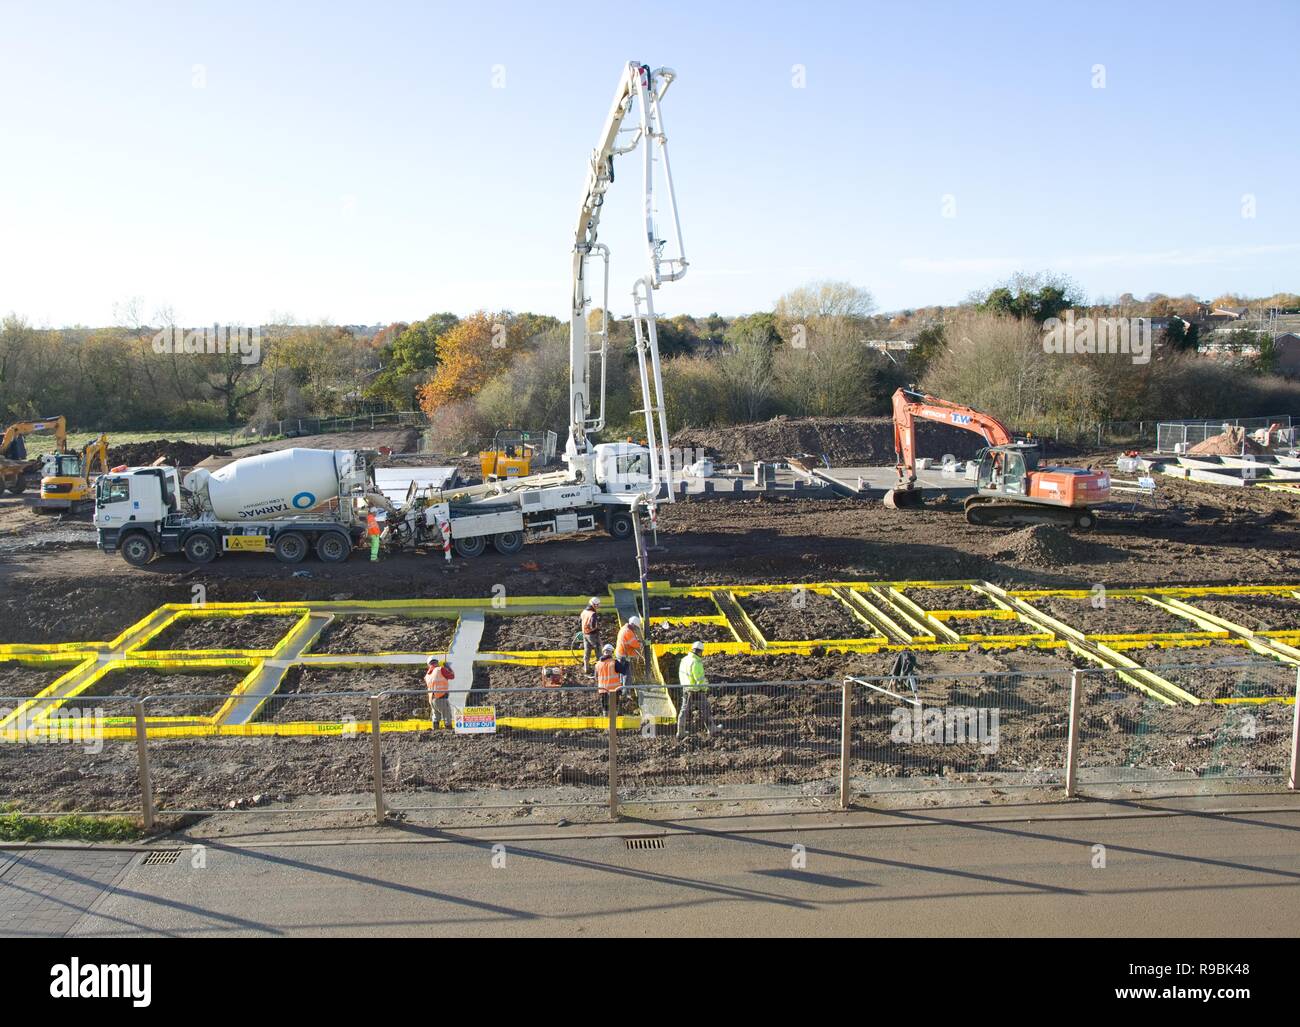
286	503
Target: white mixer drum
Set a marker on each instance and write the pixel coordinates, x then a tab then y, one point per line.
290	483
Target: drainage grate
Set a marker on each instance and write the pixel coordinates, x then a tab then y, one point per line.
160	857
644	843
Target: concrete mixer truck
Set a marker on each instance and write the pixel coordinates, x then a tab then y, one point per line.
287	503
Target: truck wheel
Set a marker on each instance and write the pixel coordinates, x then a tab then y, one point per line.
200	547
137	549
333	547
468	547
619	525
17	487
508	542
290	547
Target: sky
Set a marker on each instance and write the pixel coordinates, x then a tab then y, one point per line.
369	163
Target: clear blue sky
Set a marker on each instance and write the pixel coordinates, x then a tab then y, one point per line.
353	162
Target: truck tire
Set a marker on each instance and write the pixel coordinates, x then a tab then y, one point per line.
137	549
290	547
468	547
200	547
619	525
17	487
333	547
508	542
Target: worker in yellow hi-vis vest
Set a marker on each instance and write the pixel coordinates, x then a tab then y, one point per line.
695	690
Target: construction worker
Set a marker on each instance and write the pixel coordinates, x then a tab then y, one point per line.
695	690
373	531
608	679
590	633
436	681
629	649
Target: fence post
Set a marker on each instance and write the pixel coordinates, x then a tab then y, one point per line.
1072	747
377	759
846	741
613	698
1294	782
146	781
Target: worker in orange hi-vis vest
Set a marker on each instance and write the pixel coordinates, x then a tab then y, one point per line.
629	649
608	678
372	530
590	633
436	681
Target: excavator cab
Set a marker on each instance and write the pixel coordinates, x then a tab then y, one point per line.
1004	470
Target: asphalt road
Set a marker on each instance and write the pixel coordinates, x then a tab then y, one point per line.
1195	874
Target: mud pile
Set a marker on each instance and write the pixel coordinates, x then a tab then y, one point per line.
178	454
1232	442
1043	545
844	441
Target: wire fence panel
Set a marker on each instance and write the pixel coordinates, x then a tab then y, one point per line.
80	757
955	731
301	751
766	739
1127	736
522	747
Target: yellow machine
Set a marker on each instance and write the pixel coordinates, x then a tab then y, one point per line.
15	468
68	484
511	455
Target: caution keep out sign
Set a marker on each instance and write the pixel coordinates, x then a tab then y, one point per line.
477	720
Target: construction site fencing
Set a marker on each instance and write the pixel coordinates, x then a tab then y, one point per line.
959	731
1241	731
546	747
1195	725
760	740
75	757
1172	434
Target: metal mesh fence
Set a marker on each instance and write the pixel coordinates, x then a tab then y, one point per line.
1128	736
546	747
1170	434
765	739
306	751
960	730
79	757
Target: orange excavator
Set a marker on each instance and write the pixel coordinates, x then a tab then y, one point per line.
1012	486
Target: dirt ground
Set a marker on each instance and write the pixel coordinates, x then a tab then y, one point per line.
169	694
1258	613
57	587
802	616
363	633
19	680
669	632
521	632
948	599
991	626
1119	616
305	694
223	633
1192	668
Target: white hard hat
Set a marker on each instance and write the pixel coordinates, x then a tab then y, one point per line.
595	601
608	650
698	647
634	620
433	659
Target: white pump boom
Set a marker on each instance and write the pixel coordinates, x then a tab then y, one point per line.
644	89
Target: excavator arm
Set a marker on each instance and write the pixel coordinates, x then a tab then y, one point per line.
909	405
57	425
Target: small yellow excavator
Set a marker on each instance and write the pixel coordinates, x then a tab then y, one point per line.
68	485
16	471
511	455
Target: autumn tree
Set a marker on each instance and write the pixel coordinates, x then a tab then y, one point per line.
471	353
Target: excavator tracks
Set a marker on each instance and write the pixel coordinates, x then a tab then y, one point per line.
988	510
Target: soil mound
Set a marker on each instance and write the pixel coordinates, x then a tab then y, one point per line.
1232	442
1044	545
844	441
178	454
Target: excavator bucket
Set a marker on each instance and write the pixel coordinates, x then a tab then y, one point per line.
903	499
